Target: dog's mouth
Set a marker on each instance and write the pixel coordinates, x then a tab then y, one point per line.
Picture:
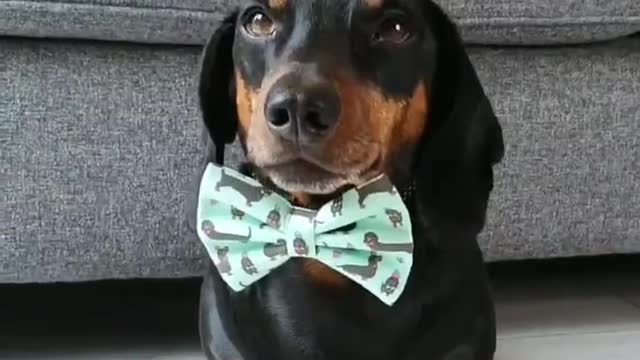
309	176
300	175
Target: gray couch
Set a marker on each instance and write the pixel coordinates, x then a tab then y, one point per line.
99	131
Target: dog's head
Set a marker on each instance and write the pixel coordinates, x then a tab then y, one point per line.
329	93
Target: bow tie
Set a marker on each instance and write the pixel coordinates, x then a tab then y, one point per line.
248	231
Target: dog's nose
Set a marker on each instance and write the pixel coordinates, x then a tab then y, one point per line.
302	112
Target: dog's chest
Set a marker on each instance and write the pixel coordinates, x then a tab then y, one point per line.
322	276
310	320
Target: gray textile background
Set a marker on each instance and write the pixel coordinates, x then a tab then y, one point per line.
98	143
512	22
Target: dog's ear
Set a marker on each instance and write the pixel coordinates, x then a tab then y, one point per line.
456	156
216	87
217	105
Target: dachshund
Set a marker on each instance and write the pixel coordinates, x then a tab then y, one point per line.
323	95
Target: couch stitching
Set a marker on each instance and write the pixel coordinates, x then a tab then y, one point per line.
496	21
559	21
216	8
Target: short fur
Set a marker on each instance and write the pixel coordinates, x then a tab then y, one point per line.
418	113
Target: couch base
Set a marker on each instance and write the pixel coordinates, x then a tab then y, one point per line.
100	142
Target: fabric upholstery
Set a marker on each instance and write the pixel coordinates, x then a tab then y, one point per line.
99	143
506	22
543	22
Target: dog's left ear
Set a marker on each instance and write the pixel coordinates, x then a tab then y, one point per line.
217	105
456	156
216	87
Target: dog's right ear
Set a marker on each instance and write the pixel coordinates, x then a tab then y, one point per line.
216	87
464	141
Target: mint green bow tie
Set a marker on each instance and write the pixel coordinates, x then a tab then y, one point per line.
365	234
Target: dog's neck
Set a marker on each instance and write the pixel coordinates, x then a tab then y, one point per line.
316	201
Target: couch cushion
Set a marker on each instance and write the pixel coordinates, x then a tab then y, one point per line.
543	22
96	161
506	22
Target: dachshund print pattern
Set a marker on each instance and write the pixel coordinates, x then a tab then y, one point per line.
365	233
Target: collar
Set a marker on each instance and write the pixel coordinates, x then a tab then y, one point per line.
407	192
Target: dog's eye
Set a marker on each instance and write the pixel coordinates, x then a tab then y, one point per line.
259	24
392	30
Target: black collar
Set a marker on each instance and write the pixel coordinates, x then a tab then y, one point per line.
407	192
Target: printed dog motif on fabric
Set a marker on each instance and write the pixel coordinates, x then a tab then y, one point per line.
373	241
252	193
273	219
223	265
210	229
376	187
247	265
395	217
272	251
356	234
391	284
336	206
300	245
366	272
236	213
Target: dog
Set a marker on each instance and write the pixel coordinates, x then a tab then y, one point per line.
322	96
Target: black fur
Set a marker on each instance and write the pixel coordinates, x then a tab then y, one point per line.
446	311
216	87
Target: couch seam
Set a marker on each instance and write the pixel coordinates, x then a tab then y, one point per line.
507	21
548	22
85	5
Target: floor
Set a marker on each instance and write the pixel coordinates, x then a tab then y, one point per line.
584	310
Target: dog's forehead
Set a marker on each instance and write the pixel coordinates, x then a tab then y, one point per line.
320	14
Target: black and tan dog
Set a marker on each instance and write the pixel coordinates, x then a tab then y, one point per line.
325	95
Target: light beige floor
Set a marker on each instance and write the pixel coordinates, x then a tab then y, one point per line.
585	312
589	312
565	326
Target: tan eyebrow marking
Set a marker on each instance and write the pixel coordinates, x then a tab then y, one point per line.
374	4
278	4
